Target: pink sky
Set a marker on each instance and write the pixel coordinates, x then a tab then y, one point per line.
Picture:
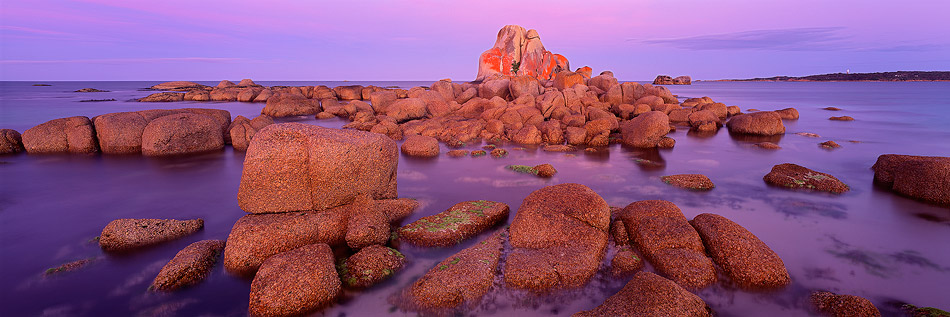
428	40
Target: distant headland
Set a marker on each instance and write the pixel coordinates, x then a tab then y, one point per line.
885	76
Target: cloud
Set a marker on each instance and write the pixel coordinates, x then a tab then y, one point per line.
793	39
126	60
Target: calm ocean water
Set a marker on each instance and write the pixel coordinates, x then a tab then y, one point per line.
867	242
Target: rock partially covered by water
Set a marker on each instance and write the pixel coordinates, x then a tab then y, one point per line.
790	175
242	130
757	123
64	135
294	166
519	52
420	146
788	114
646	130
129	234
189	267
371	265
648	294
744	258
558	238
179	85
841	118
183	133
660	230
830	304
462	221
922	177
463	277
10	141
163	97
689	181
287	105
295	282
625	262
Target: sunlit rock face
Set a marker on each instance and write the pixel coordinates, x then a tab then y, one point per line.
519	52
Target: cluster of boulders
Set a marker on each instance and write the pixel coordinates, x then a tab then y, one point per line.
156	132
667	80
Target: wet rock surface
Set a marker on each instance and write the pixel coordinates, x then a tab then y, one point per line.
190	266
830	304
745	259
123	235
295	282
462	221
689	181
462	278
794	176
648	294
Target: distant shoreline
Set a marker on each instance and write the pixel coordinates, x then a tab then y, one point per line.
897	76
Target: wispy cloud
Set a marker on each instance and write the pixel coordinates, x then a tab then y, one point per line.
793	39
126	60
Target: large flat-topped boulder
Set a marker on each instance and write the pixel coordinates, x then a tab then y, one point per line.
462	221
295	167
922	177
648	294
558	238
519	52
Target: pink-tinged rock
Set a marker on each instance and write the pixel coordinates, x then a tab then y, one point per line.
494	88
646	130
163	97
183	133
179	86
190	266
293	167
10	141
286	105
225	94
381	100
420	146
922	177
64	135
745	259
407	109
524	85
295	282
197	95
757	123
648	294
444	88
351	92
567	79
123	235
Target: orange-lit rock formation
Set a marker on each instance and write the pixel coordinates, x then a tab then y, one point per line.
519	52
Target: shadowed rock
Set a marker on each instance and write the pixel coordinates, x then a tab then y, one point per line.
744	258
689	181
371	265
461	278
128	234
189	267
462	221
829	304
558	238
10	141
648	294
294	166
163	97
295	282
793	176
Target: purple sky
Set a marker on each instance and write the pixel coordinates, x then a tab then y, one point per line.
429	40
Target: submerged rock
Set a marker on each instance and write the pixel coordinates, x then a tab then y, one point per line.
462	221
830	304
648	294
68	267
757	123
497	153
90	90
829	145
461	278
128	234
841	118
295	282
689	181
541	170
294	166
457	153
922	177
189	267
371	265
768	145
163	97
795	176
558	238
745	259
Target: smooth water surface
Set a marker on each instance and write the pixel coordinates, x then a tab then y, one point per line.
867	242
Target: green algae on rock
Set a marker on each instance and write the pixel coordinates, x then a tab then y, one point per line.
462	221
794	176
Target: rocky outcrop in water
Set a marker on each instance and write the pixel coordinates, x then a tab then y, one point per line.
190	266
122	235
10	141
519	52
463	277
831	304
182	133
795	176
745	259
667	80
65	135
242	130
371	265
294	167
648	294
295	282
689	181
462	221
420	146
558	238
921	177
757	123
